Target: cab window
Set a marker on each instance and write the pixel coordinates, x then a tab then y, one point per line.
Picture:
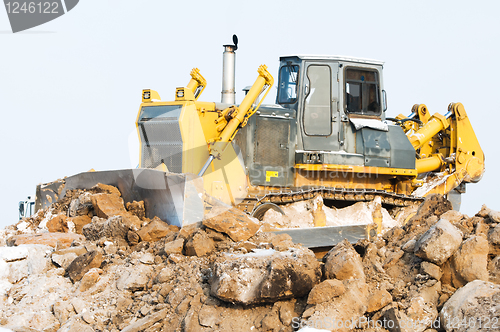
362	91
287	90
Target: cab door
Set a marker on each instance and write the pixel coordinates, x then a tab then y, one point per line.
320	117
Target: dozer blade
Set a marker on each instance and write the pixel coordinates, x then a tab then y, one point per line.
175	198
328	236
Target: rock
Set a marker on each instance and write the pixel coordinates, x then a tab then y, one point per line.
247	245
58	223
494	270
10	254
82	264
74	325
88	318
430	292
109	205
106	189
398	320
271	321
137	209
188	231
73	207
79	222
452	216
471	261
325	291
33	322
200	245
135	279
63	260
234	223
420	314
409	246
148	259
79	305
439	242
78	250
17	263
62	311
494	235
60	240
207	316
431	269
343	262
378	299
31	299
156	230
494	215
175	258
433	205
264	276
147	321
89	279
123	302
174	247
393	234
393	258
280	238
216	236
191	323
481	227
484	212
131	221
287	312
133	238
110	248
110	228
346	308
477	301
166	274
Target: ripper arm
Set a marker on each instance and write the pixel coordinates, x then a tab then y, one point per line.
448	144
233	118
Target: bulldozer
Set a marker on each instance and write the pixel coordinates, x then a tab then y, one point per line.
327	135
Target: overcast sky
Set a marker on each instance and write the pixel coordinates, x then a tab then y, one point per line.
70	89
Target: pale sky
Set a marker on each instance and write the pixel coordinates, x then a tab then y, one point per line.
70	89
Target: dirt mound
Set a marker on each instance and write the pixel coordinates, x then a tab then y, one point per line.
91	263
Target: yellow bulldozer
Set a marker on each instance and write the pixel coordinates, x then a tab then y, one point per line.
327	134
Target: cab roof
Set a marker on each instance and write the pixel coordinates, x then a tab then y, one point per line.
333	58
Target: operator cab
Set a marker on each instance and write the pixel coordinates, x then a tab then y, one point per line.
355	85
333	97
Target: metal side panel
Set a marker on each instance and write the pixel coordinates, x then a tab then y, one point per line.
402	152
377	149
175	198
315	237
270	164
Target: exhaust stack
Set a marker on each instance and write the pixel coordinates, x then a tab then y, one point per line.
228	72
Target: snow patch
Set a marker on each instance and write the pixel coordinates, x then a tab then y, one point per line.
300	215
429	184
369	123
47	217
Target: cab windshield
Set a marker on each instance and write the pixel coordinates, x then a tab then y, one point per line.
287	89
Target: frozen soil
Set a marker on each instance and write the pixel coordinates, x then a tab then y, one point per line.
92	263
